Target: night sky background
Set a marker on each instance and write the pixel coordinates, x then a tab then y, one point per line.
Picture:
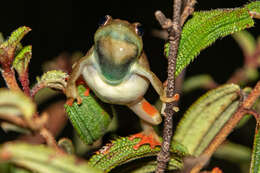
68	26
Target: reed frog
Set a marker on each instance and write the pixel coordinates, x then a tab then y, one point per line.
117	71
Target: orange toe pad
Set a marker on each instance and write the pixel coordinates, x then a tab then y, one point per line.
145	139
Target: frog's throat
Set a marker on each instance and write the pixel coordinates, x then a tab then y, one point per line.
113	73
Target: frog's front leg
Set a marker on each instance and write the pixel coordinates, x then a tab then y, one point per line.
71	89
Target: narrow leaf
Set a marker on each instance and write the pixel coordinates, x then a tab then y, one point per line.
246	41
255	159
122	150
196	82
16	103
22	60
43	159
206	116
206	27
89	119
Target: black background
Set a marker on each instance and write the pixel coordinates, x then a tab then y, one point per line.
59	26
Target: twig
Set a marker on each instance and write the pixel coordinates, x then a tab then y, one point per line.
229	126
189	8
174	37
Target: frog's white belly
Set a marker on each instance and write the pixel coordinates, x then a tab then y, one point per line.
124	93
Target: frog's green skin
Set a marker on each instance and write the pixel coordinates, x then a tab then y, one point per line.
117	70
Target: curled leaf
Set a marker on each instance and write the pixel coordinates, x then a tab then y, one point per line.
16	37
8	47
205	118
66	145
55	79
89	119
16	103
43	159
122	150
22	60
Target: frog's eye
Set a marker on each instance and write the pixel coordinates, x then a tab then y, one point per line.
139	29
104	20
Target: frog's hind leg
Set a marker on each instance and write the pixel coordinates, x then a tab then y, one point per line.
149	116
146	112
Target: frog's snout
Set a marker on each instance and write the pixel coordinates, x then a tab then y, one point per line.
117	51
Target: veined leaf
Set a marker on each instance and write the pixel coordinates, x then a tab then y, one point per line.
43	159
89	119
206	117
205	27
122	150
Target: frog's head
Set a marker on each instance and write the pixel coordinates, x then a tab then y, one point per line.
118	44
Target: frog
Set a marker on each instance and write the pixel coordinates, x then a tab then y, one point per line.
117	70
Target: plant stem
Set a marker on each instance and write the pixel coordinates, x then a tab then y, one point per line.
174	38
230	125
9	77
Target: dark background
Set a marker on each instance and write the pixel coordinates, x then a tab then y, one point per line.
59	26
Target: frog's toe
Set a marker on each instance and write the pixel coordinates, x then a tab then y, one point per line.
69	101
145	139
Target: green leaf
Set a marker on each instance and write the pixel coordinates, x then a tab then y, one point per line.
206	27
205	118
43	159
255	161
22	60
122	150
234	153
15	103
89	119
246	42
16	37
198	81
55	79
254	6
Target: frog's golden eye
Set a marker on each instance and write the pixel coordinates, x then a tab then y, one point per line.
104	20
139	29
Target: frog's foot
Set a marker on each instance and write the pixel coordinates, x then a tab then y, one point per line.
145	139
86	93
165	99
216	170
71	100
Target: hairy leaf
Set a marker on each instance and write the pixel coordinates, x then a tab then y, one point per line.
89	119
43	159
205	118
122	150
53	79
22	60
206	27
16	37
